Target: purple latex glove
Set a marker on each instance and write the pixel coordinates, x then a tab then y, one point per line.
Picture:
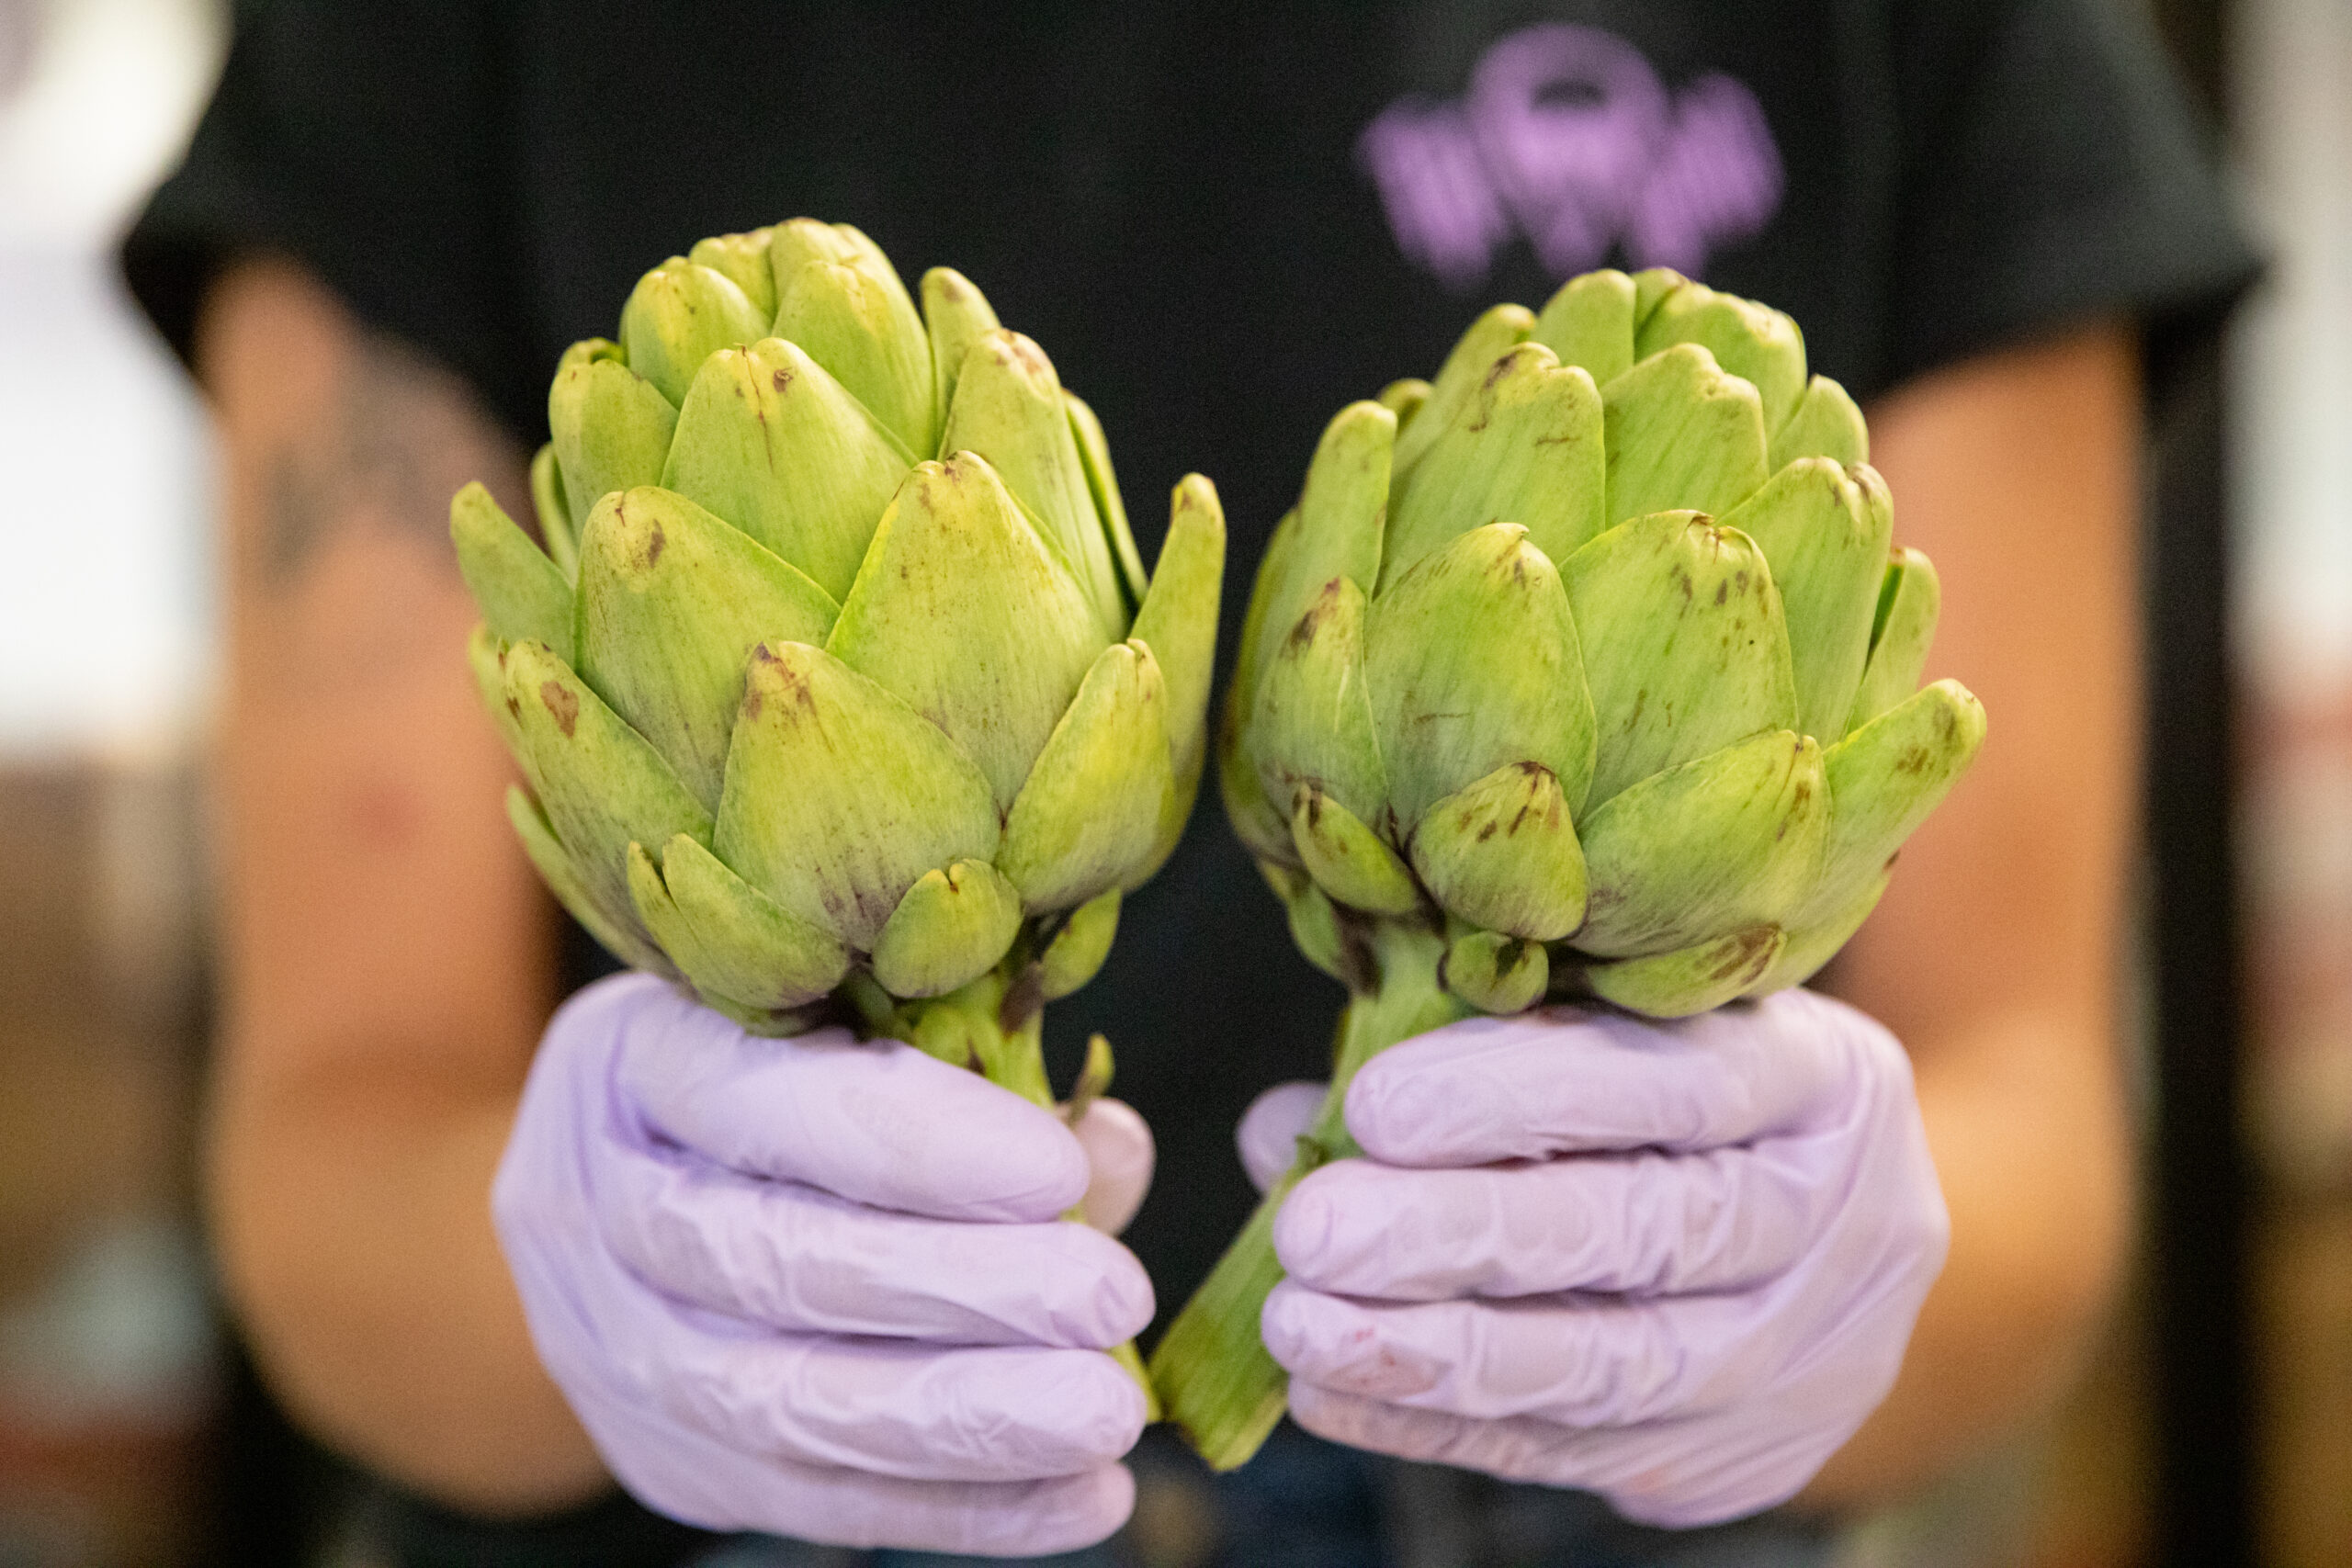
820	1287
1675	1264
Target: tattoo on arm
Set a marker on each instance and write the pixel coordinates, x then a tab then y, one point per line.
398	437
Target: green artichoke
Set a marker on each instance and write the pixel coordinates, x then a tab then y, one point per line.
1586	671
838	684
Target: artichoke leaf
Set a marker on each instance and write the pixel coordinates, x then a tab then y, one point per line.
1525	448
1826	424
1078	949
616	930
952	927
1910	598
742	259
1178	620
1090	812
1404	397
522	592
860	325
747	946
1103	482
1590	323
1495	972
1496	332
1732	839
769	441
1502	853
1313	724
1009	409
601	786
1347	859
1811	946
840	796
957	315
610	426
961	612
1341	513
1682	433
1756	344
558	530
1690	980
679	315
1825	532
1472	662
672	602
1685	651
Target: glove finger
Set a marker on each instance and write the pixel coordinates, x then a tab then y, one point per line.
1641	1224
1677	1475
1119	1159
1269	1130
794	1257
880	1123
698	1481
911	1411
1563	1081
1580	1361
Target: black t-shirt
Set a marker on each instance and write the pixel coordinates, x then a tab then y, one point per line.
1222	222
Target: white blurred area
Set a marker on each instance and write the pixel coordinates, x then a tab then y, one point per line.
2292	399
109	1347
106	625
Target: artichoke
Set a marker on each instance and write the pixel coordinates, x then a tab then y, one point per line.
838	684
1586	671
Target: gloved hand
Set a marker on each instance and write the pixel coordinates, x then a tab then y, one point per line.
820	1287
1675	1264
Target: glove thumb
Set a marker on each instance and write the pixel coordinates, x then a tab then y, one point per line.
1269	1132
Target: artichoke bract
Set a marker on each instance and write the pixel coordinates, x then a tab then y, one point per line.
835	675
1588	670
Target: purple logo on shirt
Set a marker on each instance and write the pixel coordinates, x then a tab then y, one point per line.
1567	136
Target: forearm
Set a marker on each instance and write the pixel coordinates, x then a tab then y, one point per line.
352	1212
2035	1165
387	956
1993	955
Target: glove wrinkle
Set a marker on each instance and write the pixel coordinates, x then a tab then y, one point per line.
1673	1264
912	1359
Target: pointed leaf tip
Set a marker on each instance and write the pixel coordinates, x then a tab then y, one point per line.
1526	448
610	426
1090	811
671	601
952	926
962	612
679	315
839	796
522	593
1472	662
1010	410
1682	433
771	442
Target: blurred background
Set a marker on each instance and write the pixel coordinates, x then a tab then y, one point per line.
2220	1409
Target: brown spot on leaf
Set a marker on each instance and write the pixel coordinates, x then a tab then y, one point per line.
1745	952
1723	593
1312	621
654	547
783	378
563	703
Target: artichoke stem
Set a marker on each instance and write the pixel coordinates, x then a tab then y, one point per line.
1211	1369
1004	1021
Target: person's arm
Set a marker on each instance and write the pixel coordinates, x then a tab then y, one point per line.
1996	954
387	956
